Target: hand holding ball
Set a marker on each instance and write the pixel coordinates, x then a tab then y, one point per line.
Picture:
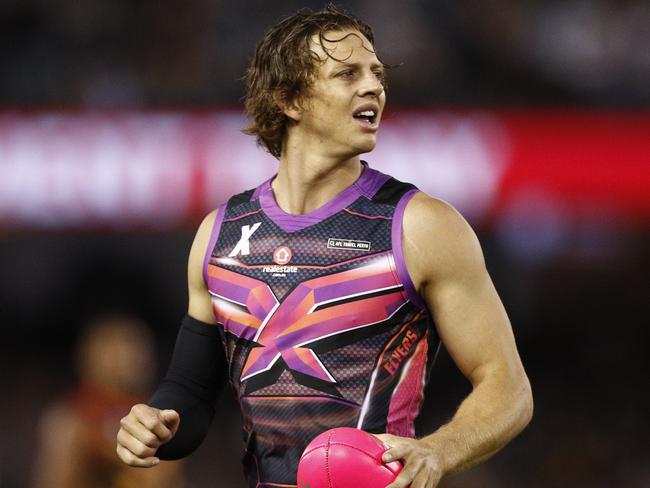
345	458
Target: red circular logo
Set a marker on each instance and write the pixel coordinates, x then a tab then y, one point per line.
282	255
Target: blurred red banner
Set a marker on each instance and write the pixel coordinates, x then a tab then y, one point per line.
165	170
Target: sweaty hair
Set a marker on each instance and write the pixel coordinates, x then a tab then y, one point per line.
283	69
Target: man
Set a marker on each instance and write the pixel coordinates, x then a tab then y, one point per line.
115	360
331	286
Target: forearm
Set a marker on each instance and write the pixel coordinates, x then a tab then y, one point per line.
194	381
494	413
195	413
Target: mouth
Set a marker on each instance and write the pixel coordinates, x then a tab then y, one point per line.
368	116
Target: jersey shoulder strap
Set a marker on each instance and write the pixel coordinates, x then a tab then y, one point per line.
240	198
223	211
391	192
397	194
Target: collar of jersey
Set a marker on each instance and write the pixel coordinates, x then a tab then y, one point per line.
365	185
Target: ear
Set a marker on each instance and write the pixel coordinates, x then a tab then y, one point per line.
289	107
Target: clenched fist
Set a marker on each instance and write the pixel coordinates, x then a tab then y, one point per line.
142	432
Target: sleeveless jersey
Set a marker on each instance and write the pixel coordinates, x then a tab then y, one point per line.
320	321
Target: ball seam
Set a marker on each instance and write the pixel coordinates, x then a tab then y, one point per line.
327	461
341	443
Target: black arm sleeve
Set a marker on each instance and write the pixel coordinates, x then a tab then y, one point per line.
192	386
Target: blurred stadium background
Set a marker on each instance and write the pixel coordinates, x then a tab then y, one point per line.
119	130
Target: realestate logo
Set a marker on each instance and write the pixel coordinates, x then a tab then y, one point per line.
282	255
349	244
243	246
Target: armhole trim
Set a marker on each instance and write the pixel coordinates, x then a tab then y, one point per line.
398	252
214	235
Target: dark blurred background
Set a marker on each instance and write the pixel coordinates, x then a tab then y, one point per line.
118	52
119	130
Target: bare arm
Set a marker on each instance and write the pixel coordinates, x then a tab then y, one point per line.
200	305
445	260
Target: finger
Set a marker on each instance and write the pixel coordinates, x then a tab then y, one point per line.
136	447
434	479
402	481
385	438
397	451
421	480
172	419
405	477
152	420
132	460
433	482
140	432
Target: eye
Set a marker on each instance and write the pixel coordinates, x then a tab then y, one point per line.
347	74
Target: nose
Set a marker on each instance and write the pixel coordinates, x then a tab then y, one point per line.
370	85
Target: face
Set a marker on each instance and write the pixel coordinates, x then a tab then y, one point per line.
340	114
118	353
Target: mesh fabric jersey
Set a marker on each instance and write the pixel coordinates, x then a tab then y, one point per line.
321	324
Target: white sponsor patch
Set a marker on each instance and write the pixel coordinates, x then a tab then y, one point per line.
333	243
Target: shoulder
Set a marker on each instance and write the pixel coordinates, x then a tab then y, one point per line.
438	241
205	228
204	232
199	304
425	214
202	239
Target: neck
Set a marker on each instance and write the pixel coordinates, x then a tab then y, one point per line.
305	183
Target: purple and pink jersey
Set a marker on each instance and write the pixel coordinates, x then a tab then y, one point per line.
320	321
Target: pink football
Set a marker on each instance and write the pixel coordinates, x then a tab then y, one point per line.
345	458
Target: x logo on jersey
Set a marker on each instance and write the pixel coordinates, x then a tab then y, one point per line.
315	309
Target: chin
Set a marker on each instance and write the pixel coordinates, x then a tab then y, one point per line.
366	145
357	151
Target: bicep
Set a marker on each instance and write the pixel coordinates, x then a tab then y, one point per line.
200	306
473	325
448	263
